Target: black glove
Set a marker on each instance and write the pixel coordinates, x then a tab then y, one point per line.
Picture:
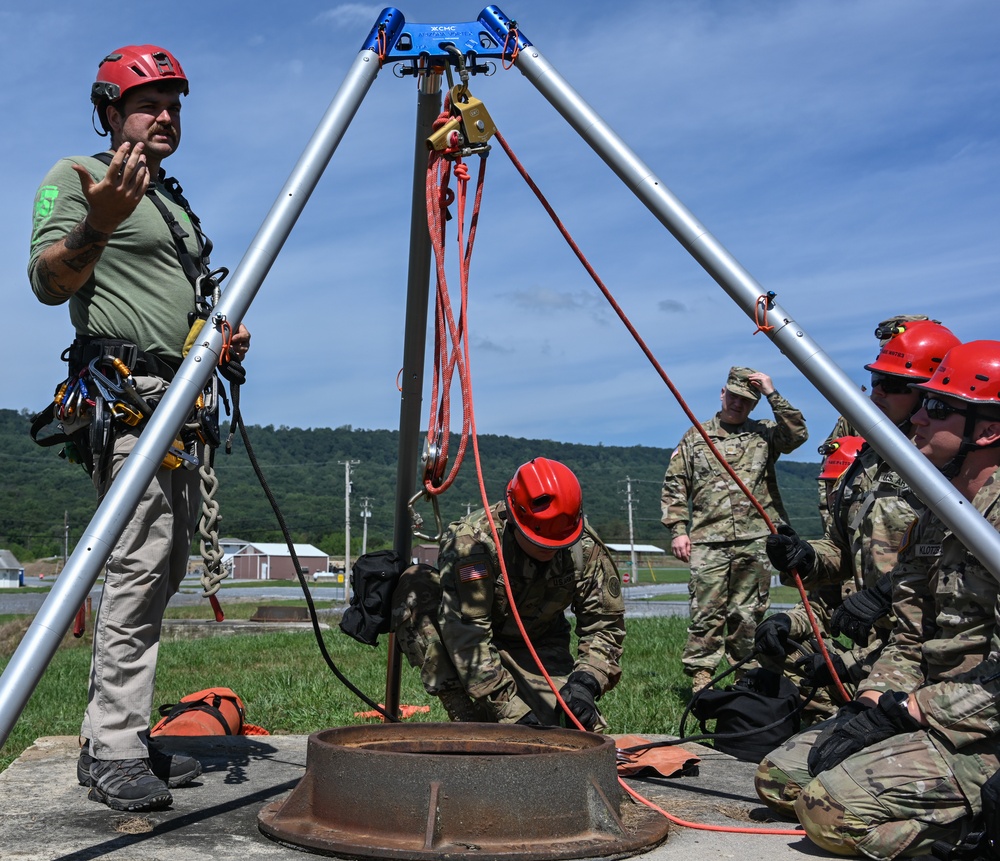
579	693
771	636
816	674
859	612
787	552
872	725
530	719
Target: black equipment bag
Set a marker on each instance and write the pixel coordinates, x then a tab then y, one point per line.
759	713
374	577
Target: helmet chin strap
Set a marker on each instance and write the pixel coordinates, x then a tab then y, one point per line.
953	466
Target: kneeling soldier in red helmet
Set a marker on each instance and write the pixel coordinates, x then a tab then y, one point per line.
457	625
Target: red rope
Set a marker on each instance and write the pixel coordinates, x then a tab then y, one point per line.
450	344
677	395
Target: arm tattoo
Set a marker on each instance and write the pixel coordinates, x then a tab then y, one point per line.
89	244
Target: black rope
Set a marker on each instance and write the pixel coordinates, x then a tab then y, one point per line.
234	372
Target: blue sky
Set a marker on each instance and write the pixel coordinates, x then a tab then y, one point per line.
846	153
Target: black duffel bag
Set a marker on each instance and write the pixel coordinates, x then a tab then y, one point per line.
752	717
373	580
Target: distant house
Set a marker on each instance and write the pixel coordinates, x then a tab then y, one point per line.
425	553
645	554
11	571
267	561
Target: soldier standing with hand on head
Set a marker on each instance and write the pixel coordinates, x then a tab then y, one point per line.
717	529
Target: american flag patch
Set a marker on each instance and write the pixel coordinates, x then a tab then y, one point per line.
472	571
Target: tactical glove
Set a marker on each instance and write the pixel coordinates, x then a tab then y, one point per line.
859	612
771	637
579	693
787	552
530	719
843	739
816	674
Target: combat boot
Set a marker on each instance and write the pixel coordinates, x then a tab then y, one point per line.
459	706
700	680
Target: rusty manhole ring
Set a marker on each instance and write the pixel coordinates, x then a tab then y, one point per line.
452	790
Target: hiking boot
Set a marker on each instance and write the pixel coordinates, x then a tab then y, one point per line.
173	769
459	707
127	784
700	680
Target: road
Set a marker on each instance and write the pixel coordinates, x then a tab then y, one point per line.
638	601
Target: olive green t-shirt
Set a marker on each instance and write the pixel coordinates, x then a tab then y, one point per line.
138	291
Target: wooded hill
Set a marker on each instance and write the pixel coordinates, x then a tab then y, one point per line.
305	471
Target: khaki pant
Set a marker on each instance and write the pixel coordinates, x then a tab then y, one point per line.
143	572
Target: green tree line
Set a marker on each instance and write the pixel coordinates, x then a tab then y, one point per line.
304	468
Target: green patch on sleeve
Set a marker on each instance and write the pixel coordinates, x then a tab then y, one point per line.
44	203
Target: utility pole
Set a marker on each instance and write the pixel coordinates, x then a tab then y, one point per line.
65	539
634	573
347	464
366	512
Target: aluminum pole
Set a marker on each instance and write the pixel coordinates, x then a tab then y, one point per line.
788	336
414	347
70	590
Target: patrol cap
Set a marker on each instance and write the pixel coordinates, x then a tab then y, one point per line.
738	382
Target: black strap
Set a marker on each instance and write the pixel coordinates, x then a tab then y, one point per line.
192	269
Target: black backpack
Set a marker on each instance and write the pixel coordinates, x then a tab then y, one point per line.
374	577
752	717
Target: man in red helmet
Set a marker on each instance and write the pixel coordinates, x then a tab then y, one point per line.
458	625
118	243
870	509
901	766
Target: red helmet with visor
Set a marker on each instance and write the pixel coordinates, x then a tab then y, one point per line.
546	503
914	350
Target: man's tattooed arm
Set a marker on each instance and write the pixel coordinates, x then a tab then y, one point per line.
64	267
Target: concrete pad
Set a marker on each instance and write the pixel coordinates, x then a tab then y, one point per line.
45	814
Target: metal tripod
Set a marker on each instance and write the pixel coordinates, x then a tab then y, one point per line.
429	50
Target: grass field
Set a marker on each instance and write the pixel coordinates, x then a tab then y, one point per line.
288	688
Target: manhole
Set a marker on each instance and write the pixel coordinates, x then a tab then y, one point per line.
451	790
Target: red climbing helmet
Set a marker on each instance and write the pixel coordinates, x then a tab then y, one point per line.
133	66
969	372
914	349
546	502
840	453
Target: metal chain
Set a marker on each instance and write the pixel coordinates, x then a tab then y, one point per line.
214	572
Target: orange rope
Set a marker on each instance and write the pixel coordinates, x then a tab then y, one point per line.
515	50
383	45
760	314
227	341
450	348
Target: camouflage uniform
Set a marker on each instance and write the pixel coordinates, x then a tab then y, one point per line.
730	577
458	627
871	510
899	795
842	427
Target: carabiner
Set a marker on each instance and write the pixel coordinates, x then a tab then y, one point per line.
418	521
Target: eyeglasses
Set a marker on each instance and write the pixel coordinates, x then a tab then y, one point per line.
938	410
891	384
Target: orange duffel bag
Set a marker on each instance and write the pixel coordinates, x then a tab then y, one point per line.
215	711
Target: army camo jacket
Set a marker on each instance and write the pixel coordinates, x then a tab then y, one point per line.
871	510
700	499
476	618
945	646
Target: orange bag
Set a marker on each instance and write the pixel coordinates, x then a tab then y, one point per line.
215	711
